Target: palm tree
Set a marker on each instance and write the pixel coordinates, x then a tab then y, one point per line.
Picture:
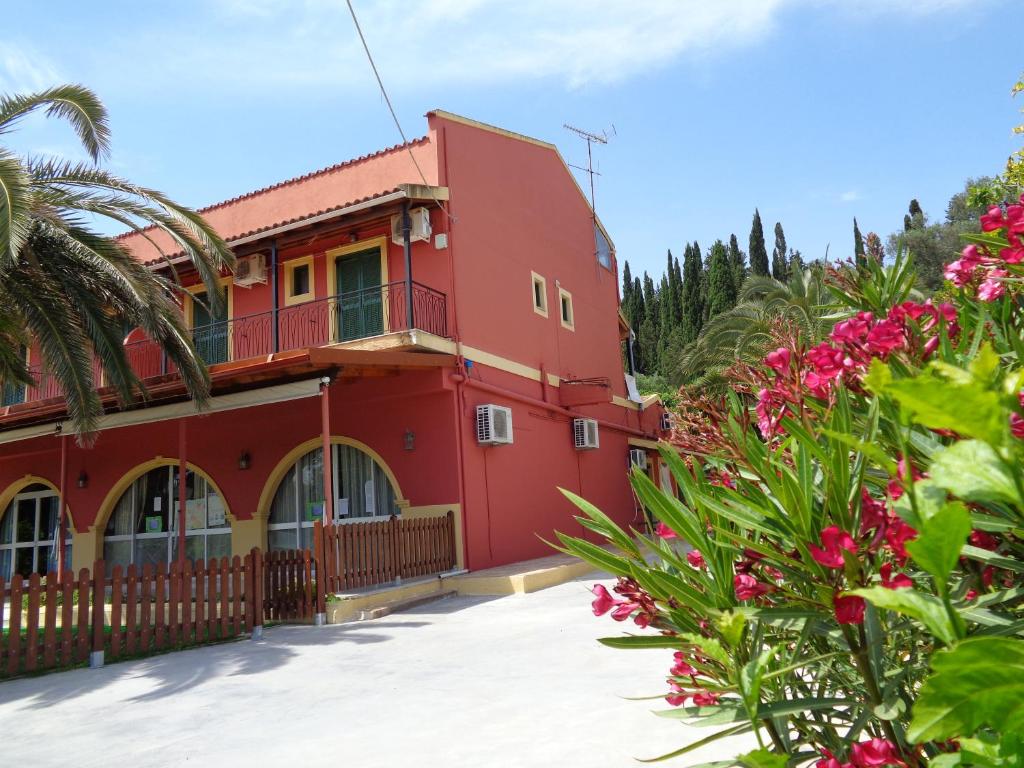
744	333
72	291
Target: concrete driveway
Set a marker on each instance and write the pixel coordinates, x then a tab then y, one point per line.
466	681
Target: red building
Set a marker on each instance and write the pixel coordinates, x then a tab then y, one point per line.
378	306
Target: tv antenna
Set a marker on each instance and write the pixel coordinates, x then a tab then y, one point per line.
591	139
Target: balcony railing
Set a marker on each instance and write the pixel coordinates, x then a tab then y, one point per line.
345	317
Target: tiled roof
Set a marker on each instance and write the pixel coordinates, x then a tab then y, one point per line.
328	189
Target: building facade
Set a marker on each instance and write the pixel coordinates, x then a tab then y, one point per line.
376	306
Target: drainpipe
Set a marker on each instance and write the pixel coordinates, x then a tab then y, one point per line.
61	517
325	436
629	353
275	331
407	248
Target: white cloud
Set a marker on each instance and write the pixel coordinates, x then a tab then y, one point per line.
25	69
849	196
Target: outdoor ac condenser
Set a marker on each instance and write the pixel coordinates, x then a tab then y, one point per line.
584	432
251	270
493	425
666	422
419	229
638	458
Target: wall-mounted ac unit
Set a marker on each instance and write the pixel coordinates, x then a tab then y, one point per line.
493	425
666	422
584	433
250	270
638	458
419	220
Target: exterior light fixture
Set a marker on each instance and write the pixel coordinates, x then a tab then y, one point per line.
83	479
244	460
410	440
353	237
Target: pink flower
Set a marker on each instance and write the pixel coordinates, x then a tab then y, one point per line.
852	331
747	587
885	337
834	540
603	601
993	287
623	611
695	558
875	753
678	696
665	532
992	220
828	760
778	360
705	698
983	540
826	360
849	609
961	271
682	667
899	581
897	535
872	512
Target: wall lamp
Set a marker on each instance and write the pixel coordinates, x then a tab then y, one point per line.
244	460
410	440
83	479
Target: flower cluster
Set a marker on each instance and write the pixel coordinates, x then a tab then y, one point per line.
681	667
873	753
634	601
977	266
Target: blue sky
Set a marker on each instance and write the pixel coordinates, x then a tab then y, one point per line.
815	111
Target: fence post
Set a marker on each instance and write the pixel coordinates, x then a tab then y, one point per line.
257	594
320	562
452	553
99	578
396	548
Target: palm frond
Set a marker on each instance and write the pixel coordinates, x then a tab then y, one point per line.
15	203
76	104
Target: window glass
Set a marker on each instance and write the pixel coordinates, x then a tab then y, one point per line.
28	529
604	248
300	280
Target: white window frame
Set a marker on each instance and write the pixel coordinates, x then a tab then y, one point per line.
36	543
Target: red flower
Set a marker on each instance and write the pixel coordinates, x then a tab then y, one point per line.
834	541
885	337
623	611
992	220
873	514
993	286
705	698
603	602
665	532
678	696
1017	426
695	558
778	360
983	540
828	760
897	535
849	609
961	271
682	667
900	581
747	587
826	360
874	753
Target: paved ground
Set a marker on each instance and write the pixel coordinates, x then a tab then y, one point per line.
510	682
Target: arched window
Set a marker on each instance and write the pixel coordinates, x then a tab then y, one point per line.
143	528
28	533
362	488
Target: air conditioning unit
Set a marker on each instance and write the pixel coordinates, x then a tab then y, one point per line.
666	422
250	270
493	425
419	229
638	458
584	433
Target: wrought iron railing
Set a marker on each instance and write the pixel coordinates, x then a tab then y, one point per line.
345	317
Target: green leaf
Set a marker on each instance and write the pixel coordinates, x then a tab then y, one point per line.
927	609
978	683
972	471
890	710
605	524
640	641
762	758
730	624
937	546
736	729
708	647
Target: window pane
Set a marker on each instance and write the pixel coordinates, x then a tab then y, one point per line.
26	526
47	518
44	564
152	551
300	280
195	548
6	558
284	539
23	561
283	509
153	501
7	527
115	553
218	545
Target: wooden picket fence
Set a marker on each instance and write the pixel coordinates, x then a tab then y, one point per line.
358	555
288	585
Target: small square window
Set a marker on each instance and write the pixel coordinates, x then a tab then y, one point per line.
540	295
565	309
300	280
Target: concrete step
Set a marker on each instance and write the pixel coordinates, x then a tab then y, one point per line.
396	606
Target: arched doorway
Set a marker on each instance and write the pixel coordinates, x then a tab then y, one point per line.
143	524
363	489
28	532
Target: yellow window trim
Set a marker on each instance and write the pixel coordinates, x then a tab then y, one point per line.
289	277
332	277
569	324
189	306
534	282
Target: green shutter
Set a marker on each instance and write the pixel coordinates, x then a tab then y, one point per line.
210	334
361	306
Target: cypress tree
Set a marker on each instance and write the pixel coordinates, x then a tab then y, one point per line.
673	297
758	253
665	330
638	311
738	264
721	291
779	270
647	340
704	303
858	242
796	262
693	311
627	292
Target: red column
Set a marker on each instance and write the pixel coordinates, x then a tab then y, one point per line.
61	517
325	434
182	474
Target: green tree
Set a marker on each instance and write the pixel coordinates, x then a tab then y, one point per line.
796	262
721	291
693	308
858	243
72	291
738	262
627	291
673	295
779	268
758	253
650	328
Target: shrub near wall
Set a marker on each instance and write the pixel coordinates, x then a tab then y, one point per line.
856	516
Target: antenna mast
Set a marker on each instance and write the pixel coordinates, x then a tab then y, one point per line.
590	138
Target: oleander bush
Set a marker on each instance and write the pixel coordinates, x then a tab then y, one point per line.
839	571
